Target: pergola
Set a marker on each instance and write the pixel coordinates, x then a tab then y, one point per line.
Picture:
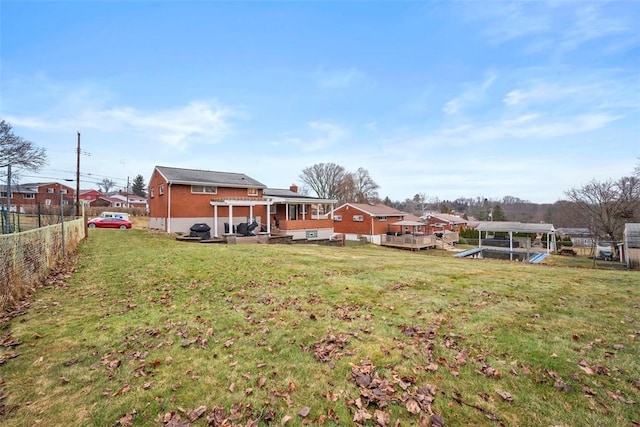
517	227
230	203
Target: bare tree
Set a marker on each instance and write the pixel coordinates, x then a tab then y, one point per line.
105	185
358	187
606	206
17	151
325	179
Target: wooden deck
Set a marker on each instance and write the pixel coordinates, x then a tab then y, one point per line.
409	241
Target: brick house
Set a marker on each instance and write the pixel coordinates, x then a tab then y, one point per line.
179	198
25	197
361	219
92	198
440	222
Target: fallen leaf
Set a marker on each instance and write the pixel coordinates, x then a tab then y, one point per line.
361	415
196	413
382	418
285	420
304	412
412	406
505	395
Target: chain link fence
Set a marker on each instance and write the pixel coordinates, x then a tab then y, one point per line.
27	257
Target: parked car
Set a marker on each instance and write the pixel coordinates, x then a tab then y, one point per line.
109	223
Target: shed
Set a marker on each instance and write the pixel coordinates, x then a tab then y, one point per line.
631	245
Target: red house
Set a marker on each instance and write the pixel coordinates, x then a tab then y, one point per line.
440	222
361	219
26	197
180	198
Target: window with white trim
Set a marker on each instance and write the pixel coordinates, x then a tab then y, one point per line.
29	196
47	202
161	189
382	218
152	193
337	217
358	218
63	191
4	195
204	189
50	190
252	191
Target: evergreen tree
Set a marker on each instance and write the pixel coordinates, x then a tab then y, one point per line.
498	214
138	187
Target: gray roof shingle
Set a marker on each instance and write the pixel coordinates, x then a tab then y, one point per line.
203	177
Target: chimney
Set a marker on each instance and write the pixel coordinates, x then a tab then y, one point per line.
293	188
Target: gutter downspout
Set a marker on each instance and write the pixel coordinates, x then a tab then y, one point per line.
169	207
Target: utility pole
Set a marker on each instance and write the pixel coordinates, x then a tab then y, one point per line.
78	180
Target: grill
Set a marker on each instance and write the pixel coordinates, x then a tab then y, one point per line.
201	230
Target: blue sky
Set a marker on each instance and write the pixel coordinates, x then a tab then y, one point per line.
450	99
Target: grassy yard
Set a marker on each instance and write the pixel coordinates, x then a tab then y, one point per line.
146	330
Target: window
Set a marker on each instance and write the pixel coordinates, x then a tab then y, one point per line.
47	202
382	218
4	195
273	209
358	218
312	234
29	196
161	189
152	193
204	189
63	191
337	217
65	202
252	191
50	190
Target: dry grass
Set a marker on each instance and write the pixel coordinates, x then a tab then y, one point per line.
147	330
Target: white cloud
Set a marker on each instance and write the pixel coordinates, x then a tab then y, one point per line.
198	122
340	79
472	94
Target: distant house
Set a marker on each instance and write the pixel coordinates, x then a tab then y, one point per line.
580	237
356	220
180	198
26	197
92	198
630	253
441	222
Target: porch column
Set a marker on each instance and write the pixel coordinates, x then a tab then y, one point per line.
268	211
230	218
215	220
511	245
250	214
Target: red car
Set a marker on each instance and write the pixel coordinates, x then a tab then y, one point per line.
109	223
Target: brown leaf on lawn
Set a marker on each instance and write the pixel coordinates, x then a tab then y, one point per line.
332	397
232	387
146	386
127	419
285	420
304	412
361	415
64	380
618	396
124	389
489	372
329	348
261	382
194	414
437	421
636	384
168	360
505	395
618	346
382	418
587	370
229	342
176	386
588	390
431	367
412	406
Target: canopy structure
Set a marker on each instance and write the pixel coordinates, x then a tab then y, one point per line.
518	227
